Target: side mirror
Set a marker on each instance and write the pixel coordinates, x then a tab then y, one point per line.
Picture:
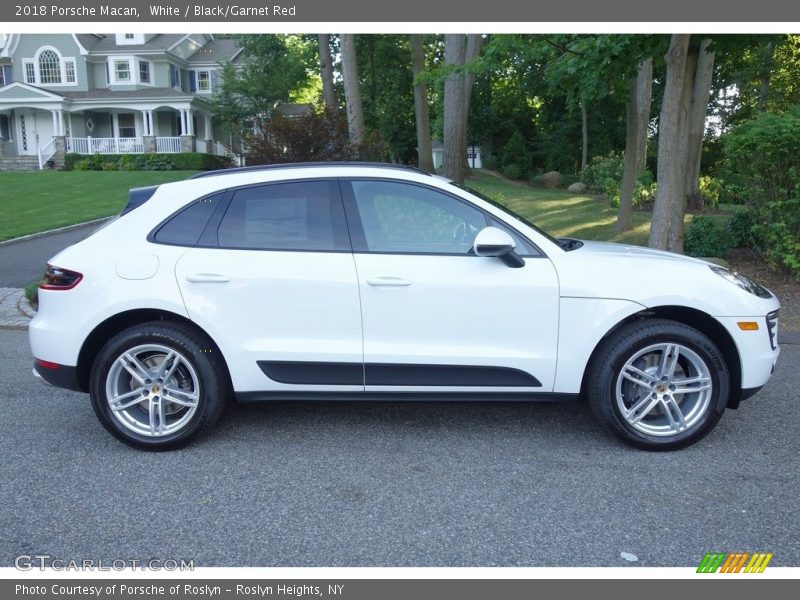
492	241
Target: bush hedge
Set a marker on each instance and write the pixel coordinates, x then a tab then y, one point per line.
186	161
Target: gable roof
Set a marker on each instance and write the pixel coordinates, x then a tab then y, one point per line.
107	42
22	91
215	51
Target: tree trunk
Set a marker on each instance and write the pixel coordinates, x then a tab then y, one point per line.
326	72
637	122
424	150
474	42
625	214
644	100
352	89
679	210
584	137
701	94
455	116
670	164
766	69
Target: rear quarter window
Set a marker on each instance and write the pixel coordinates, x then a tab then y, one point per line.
186	227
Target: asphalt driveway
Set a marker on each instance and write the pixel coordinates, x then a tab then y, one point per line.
25	261
384	484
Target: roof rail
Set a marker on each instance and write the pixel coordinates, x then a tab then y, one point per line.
307	165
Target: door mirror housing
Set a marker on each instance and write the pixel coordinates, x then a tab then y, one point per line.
492	241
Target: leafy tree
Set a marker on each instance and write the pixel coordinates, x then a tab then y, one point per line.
273	66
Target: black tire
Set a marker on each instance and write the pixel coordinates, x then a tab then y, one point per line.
202	366
625	344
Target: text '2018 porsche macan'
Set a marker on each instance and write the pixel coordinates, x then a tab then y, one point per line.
365	281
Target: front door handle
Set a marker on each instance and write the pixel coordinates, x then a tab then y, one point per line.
207	278
388	281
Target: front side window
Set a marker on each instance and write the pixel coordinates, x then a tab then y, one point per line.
405	218
122	70
144	71
288	216
49	67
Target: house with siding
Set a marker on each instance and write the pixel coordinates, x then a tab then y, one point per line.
109	93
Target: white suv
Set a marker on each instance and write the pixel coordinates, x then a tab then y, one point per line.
377	281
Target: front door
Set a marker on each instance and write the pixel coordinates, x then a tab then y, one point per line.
279	290
27	132
435	316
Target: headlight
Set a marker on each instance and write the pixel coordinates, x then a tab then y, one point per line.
743	282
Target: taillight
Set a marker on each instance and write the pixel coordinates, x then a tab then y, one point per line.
56	278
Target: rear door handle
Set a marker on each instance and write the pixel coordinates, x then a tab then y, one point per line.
388	281
207	278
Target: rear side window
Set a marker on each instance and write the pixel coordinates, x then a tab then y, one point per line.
304	215
186	227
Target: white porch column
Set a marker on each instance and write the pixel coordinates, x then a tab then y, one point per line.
189	121
145	122
207	127
114	125
54	114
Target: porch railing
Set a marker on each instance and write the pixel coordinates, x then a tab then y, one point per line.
169	145
46	152
92	145
236	159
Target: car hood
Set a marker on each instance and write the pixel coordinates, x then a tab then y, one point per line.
651	278
614	251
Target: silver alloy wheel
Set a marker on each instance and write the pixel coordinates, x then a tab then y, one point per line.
664	389
152	390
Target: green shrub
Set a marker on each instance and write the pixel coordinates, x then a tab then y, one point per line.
490	161
515	160
711	190
188	161
762	171
707	237
603	175
744	228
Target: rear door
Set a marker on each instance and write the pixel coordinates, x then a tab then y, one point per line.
276	285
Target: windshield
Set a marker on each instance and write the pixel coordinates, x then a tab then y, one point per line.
510	213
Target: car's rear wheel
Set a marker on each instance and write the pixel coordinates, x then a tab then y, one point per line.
157	385
658	384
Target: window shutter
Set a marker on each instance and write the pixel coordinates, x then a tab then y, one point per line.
4	128
8	74
192	81
214	80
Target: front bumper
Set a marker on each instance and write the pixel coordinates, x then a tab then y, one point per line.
758	350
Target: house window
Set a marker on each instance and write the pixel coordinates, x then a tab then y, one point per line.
69	71
122	70
5	131
127	128
30	72
129	36
144	71
49	67
203	81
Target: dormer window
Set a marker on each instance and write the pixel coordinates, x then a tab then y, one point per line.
129	39
49	68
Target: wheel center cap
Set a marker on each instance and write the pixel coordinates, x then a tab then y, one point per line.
155	389
661	388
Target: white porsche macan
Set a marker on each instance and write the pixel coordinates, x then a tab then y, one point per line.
360	281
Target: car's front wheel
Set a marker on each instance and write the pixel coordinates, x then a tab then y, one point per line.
156	385
658	384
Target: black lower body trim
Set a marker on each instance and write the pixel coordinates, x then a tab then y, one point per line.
248	397
61	376
327	373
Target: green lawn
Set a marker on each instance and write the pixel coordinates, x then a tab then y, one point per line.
561	213
40	200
